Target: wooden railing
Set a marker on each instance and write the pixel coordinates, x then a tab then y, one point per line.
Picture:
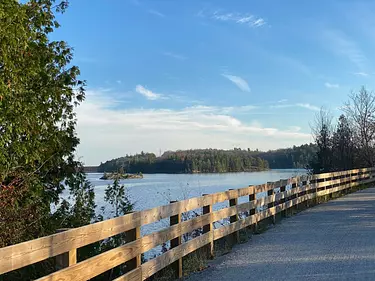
277	197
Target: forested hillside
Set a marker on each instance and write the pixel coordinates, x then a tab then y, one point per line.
288	158
188	161
213	160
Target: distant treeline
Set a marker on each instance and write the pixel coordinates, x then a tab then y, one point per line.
188	161
288	158
212	160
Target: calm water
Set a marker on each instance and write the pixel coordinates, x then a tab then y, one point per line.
158	189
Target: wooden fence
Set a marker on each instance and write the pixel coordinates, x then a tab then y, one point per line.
280	196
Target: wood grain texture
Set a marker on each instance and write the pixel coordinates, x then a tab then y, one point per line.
151	267
119	255
23	254
134	275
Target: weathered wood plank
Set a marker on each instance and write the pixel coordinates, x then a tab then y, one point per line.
208	229
26	253
175	242
134	275
236	236
119	255
23	254
230	211
151	267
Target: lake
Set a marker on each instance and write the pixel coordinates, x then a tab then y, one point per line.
158	189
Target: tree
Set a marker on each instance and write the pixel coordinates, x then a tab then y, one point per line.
120	204
116	197
343	145
39	89
360	110
322	133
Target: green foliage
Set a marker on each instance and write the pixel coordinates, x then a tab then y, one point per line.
323	162
39	89
289	158
343	145
120	204
188	161
116	197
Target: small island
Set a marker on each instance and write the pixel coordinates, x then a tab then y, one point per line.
121	176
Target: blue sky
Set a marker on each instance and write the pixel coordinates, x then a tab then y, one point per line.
166	74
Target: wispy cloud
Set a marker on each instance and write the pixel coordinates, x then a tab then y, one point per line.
238	18
363	74
224	110
246	19
118	81
156	13
238	81
148	94
308	106
282	100
185	128
174	55
301	105
331	86
342	45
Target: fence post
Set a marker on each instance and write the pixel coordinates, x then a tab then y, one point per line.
315	183
272	204
253	211
234	218
303	183
283	200
177	265
132	235
66	259
351	181
207	228
330	187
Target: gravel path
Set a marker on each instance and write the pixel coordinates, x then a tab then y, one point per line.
331	241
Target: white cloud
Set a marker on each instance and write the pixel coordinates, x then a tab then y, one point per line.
118	81
156	13
330	86
112	132
282	100
238	81
175	56
302	105
239	18
308	106
258	22
363	74
223	110
148	93
294	128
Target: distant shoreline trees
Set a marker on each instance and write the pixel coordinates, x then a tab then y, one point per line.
188	161
213	160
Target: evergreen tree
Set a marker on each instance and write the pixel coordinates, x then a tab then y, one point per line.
343	146
39	89
323	138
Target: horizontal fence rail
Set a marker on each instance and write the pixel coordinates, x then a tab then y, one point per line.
278	197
